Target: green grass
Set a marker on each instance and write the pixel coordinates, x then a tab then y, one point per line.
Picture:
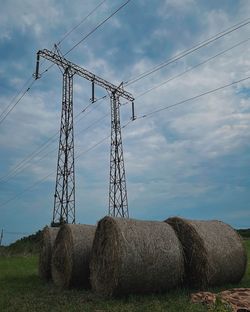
22	290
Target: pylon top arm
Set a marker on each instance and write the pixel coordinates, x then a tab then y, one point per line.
63	62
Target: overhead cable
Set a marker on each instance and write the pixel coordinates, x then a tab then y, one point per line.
52	173
80	23
187	52
191	68
193	98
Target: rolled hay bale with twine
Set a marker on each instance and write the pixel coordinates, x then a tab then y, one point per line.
47	242
213	251
132	256
71	255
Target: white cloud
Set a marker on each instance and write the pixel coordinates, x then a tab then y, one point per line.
28	15
176	7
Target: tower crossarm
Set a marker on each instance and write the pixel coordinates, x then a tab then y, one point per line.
64	63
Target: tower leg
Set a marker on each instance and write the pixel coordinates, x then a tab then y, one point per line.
118	201
64	198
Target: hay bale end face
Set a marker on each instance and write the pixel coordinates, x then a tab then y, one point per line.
132	256
71	255
48	239
214	253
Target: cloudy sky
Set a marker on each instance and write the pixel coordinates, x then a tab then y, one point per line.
191	160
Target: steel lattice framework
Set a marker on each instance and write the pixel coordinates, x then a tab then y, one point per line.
118	199
64	200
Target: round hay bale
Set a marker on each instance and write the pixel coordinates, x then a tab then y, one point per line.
132	256
71	254
214	253
47	242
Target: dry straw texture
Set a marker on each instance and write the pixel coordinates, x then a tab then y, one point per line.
71	253
132	256
48	239
214	253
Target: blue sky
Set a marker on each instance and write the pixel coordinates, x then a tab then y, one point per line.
191	161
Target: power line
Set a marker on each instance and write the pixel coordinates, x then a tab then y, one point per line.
83	130
98	26
54	149
191	68
51	173
27	189
92	147
22	165
80	23
28	158
15	97
193	98
188	70
187	52
15	104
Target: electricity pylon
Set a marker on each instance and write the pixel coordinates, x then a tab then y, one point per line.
64	201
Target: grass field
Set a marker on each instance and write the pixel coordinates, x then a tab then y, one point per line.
22	290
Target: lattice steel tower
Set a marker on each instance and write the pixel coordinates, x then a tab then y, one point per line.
64	198
118	199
